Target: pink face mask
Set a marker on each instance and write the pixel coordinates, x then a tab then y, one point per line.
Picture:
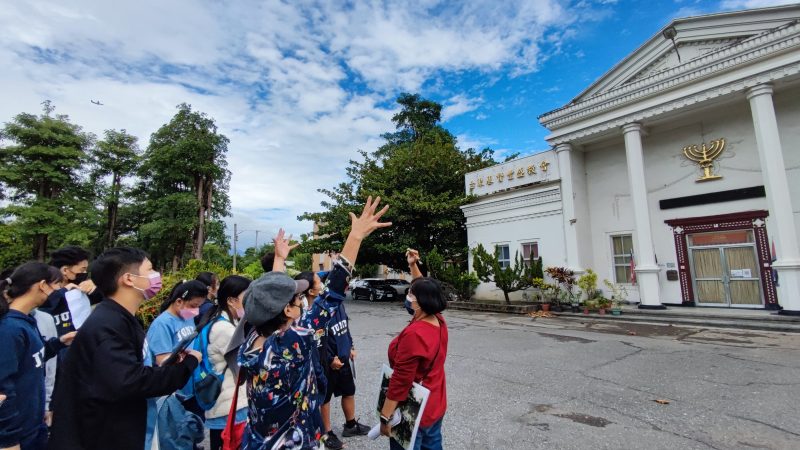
154	288
239	313
189	313
155	285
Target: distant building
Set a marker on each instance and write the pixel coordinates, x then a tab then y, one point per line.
680	167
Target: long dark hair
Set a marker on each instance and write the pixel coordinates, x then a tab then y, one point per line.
21	280
231	286
184	291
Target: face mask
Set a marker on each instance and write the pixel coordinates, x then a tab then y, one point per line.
407	304
189	313
154	288
80	278
240	313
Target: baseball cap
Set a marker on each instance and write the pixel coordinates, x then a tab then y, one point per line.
267	296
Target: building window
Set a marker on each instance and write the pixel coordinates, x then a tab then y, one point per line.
503	255
530	250
622	247
321	267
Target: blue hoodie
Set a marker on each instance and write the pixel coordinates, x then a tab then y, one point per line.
338	340
22	371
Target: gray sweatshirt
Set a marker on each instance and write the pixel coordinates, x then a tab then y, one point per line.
47	328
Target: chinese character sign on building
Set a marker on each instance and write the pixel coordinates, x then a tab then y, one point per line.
538	168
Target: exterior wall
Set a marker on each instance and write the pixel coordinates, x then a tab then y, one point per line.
532	214
670	175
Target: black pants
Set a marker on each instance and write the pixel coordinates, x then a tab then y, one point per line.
216	439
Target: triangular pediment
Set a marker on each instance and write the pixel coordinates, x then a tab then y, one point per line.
694	37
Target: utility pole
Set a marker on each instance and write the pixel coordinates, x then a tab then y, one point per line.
257	241
235	238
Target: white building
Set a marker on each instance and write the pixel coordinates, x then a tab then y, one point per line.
627	172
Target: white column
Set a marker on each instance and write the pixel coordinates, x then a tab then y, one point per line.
778	197
568	213
646	267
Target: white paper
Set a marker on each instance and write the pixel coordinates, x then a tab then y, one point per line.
746	273
735	273
79	306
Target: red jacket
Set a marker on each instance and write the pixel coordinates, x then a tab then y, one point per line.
411	356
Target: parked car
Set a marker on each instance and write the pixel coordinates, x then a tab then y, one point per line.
373	289
400	285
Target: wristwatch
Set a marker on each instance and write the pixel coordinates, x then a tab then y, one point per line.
384	420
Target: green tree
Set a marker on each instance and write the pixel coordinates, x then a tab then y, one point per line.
419	171
508	279
184	185
302	261
115	157
463	282
39	176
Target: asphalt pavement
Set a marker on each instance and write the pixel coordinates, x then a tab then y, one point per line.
520	383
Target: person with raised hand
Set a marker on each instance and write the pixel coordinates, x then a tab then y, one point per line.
279	361
418	354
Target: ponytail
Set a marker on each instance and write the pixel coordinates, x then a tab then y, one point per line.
22	279
184	290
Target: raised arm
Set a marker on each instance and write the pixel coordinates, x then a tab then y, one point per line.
413	263
361	227
282	250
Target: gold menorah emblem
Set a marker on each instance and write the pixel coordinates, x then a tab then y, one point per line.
704	156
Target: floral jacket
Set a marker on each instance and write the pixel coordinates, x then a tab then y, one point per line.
281	378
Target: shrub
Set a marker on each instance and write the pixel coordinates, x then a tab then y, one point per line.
150	309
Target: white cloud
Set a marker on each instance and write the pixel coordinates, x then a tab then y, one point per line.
458	105
297	86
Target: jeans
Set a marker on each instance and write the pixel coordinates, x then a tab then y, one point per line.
429	438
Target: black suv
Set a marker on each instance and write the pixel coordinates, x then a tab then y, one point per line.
373	289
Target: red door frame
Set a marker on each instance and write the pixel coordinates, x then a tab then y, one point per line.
748	220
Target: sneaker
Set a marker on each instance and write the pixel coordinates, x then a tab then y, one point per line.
332	442
359	429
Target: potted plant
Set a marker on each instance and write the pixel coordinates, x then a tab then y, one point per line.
588	284
615	307
589	305
619	295
576	303
603	304
545	290
563	285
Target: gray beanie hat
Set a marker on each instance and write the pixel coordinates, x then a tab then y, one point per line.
267	296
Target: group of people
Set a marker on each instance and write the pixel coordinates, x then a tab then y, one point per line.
70	379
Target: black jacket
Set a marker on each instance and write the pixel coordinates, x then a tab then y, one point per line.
101	398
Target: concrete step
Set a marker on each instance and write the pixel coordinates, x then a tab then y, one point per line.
785	326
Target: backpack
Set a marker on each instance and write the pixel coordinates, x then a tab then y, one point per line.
207	382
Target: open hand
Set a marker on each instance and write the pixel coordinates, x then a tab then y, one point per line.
282	245
412	256
369	220
68	338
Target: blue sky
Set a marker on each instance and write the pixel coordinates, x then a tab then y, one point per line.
298	86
